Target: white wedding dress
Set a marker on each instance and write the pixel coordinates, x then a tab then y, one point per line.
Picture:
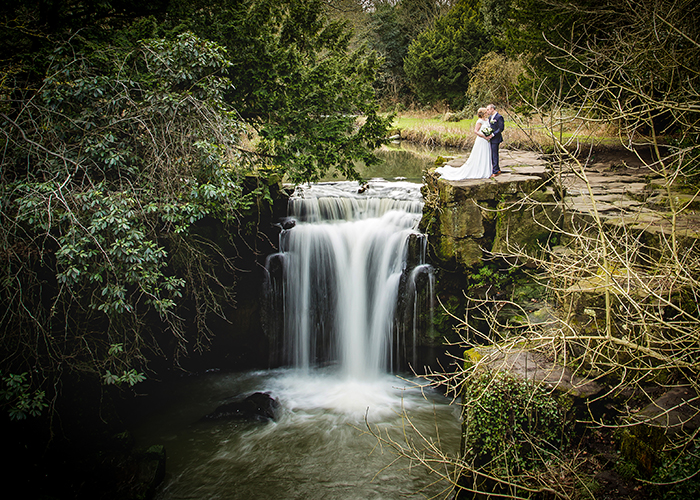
477	166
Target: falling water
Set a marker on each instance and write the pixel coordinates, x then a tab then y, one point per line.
348	296
349	276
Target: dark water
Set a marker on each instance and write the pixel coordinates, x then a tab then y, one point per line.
319	447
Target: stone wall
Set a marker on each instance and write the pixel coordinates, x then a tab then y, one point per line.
477	223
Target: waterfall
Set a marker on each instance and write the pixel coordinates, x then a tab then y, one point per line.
345	284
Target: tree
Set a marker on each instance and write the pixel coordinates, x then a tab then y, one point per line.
389	29
386	34
123	126
101	169
495	16
495	79
298	84
439	60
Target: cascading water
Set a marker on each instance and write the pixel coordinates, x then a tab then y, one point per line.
349	265
348	294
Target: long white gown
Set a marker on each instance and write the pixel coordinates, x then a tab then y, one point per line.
477	166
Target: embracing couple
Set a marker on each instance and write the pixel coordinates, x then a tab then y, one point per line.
483	160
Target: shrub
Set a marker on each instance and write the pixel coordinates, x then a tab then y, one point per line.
510	425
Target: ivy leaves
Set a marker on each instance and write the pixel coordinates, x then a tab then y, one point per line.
509	424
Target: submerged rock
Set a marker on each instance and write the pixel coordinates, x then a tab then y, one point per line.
259	406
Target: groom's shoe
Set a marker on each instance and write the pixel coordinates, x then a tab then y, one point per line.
498	172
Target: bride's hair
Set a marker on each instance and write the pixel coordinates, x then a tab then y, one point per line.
481	112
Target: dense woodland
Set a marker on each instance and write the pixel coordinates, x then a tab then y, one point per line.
126	123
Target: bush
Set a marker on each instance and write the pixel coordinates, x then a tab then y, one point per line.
509	425
494	80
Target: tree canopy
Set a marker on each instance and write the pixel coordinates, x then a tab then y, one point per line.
124	124
439	59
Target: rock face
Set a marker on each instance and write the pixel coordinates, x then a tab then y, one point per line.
467	221
258	406
464	219
675	413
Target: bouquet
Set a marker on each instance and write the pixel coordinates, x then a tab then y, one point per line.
486	131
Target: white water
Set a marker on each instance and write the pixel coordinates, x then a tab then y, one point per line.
318	448
343	263
344	274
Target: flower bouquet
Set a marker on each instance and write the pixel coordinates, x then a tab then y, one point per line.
486	131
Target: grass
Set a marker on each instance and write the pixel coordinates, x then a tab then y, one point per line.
520	133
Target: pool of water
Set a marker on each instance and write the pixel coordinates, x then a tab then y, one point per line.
318	448
403	161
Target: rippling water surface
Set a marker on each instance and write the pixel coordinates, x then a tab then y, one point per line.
319	447
337	283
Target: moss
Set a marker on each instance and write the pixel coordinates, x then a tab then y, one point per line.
509	426
471	357
640	446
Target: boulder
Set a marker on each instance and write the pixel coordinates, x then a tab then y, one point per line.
532	366
675	413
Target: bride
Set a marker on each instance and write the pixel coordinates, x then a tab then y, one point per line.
478	165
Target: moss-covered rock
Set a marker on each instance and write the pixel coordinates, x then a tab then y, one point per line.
465	218
509	426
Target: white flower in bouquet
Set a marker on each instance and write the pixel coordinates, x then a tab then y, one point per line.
486	131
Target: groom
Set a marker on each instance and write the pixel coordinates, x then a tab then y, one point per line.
497	125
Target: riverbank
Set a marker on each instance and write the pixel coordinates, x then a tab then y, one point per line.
611	248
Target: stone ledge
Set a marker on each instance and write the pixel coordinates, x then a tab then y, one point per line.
532	366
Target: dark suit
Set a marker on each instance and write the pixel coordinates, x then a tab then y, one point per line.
497	125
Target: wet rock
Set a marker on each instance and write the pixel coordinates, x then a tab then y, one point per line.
676	412
259	406
150	472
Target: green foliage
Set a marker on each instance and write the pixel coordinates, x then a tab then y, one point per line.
131	377
683	474
495	16
107	167
489	276
389	30
612	61
125	125
387	35
509	425
306	94
531	29
20	400
439	60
